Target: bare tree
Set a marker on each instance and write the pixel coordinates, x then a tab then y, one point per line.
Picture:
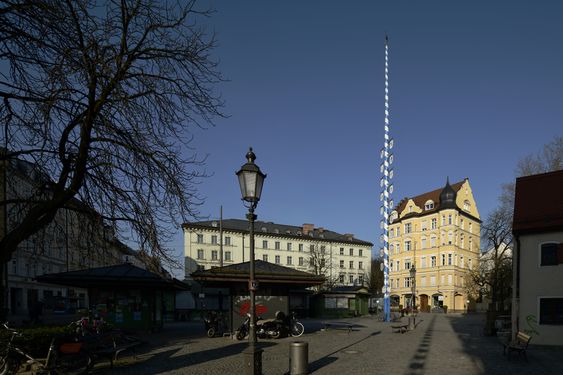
374	279
320	264
100	97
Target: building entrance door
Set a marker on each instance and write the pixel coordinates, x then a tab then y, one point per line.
424	302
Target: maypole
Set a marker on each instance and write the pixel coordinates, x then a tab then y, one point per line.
387	202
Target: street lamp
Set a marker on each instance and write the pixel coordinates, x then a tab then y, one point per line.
251	179
413	297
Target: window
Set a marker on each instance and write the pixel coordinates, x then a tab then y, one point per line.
228	241
466	205
461	223
341	251
407	245
423	243
264	244
228	256
351	264
410	209
398	265
311	248
289	261
470	227
351	279
461	241
469	264
398	231
361	252
323	249
361	265
300	247
433	261
443	220
277	259
429	205
551	311
341	264
450	238
450	219
443	259
407	282
391	233
408	228
289	246
470	242
433	224
200	238
341	278
551	254
265	257
301	261
397	248
407	264
361	279
323	263
432	241
277	245
214	255
200	254
461	261
351	252
214	239
449	259
423	225
423	262
391	248
391	265
432	280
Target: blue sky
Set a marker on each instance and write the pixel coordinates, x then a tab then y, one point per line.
474	87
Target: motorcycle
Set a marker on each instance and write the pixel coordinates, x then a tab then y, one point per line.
272	328
213	324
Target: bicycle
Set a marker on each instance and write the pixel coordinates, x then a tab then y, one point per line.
66	357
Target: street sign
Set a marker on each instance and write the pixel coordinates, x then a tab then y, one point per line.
253	285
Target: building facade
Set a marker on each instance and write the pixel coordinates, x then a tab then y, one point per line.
438	233
537	305
340	258
75	239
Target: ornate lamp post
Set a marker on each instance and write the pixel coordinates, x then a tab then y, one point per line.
413	297
251	179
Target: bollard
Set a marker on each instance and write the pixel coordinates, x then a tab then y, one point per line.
299	358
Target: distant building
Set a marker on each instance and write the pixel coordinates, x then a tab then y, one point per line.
340	258
75	239
537	307
439	233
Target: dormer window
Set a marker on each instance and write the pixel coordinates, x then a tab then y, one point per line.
466	205
429	205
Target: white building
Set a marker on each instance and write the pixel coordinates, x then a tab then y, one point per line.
341	258
537	307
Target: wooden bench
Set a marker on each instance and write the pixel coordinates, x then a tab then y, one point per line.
338	325
400	328
519	345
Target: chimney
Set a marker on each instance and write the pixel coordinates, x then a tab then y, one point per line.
308	228
349	236
321	229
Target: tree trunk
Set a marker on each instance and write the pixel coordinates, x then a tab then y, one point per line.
3	294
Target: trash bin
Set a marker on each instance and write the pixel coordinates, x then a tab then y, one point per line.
299	358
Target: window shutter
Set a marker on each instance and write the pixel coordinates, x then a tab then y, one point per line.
560	254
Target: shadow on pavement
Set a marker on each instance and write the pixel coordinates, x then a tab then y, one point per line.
418	360
488	350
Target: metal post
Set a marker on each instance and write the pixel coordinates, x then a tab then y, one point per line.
253	354
299	358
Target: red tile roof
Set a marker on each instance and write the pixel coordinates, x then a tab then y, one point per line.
433	195
538	204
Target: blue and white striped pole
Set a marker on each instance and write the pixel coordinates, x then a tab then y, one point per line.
387	202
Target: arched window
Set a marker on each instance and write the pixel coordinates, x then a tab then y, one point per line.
429	204
466	205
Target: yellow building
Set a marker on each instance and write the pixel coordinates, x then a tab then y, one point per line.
438	232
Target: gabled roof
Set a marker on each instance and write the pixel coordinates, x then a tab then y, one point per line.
433	195
538	203
122	275
279	230
265	272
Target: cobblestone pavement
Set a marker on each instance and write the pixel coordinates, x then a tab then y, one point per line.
441	344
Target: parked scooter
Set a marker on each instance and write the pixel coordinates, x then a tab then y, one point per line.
281	325
214	324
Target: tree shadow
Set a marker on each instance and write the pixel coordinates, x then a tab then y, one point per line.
418	360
